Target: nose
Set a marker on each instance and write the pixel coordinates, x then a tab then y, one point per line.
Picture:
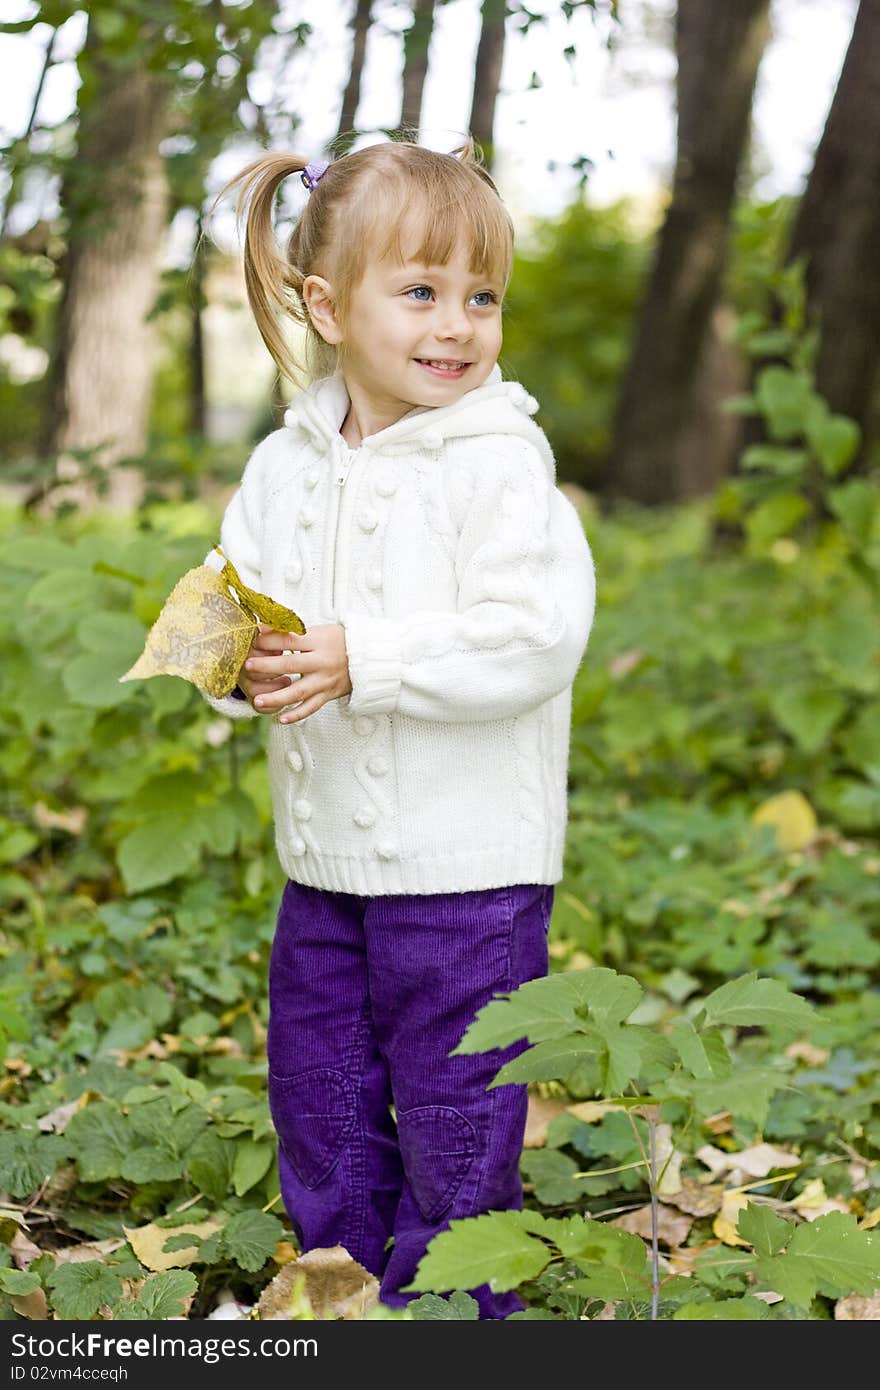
455	323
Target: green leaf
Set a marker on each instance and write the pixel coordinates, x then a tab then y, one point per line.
111	634
763	1229
250	1237
459	1307
160	1296
776	517
209	1163
622	1057
548	1061
614	1262
252	1161
748	1001
492	1249
834	439
552	1173
18	1281
92	680
27	1159
159	850
704	1054
726	1310
784	397
100	1140
79	1289
746	1092
829	1255
808	714
549	1007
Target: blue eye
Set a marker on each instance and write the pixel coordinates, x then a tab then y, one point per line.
416	288
486	295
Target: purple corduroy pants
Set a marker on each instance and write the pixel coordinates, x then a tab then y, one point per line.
368	996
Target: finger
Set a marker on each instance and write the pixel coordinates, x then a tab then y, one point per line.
277	699
288	664
302	711
272	641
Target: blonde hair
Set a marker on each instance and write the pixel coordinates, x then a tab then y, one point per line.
358	211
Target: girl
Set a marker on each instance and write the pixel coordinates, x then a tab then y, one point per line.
419	729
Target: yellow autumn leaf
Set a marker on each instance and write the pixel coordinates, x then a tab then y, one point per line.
201	634
264	608
792	818
724	1225
148	1241
872	1219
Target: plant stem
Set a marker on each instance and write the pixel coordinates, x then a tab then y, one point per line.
655	1216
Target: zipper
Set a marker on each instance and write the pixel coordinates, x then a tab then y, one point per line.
344	466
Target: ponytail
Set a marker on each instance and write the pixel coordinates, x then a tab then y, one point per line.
273	282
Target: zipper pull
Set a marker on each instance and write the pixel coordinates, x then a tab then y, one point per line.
345	468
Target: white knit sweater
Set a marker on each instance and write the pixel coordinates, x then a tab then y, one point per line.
465	585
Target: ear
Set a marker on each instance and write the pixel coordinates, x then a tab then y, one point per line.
318	298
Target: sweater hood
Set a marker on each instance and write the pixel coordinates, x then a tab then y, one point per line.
496	407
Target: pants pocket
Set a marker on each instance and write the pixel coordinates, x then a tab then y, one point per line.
313	1113
437	1145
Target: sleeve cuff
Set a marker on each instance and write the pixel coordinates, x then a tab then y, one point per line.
375	665
233	706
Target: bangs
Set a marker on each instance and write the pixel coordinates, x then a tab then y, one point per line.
447	211
438	229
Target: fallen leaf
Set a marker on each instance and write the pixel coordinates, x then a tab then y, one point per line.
260	606
754	1162
23	1250
31	1305
761	1159
284	1252
858	1307
804	1051
813	1201
715	1159
540	1113
669	1160
592	1111
697	1198
719	1123
792	818
672	1230
201	634
147	1242
73	821
56	1120
872	1219
724	1225
332	1284
89	1250
768	1296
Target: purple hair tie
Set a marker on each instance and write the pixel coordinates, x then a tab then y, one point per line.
313	172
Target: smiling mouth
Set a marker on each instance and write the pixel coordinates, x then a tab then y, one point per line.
442	364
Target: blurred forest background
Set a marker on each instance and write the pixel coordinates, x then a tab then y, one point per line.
706	362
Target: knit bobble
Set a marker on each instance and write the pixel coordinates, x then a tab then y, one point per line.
432	439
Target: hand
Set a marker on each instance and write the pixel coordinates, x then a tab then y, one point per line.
319	658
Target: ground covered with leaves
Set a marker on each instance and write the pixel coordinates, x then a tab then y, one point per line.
724	805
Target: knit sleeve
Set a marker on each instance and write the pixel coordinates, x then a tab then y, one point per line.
241	535
526	601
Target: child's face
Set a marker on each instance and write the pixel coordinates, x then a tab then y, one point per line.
403	317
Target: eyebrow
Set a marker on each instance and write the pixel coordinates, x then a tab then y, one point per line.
415	268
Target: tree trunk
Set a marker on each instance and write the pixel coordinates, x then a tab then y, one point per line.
487	76
719	44
416	42
838	229
115	200
360	24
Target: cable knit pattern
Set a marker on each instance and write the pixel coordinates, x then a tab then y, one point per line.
465	585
